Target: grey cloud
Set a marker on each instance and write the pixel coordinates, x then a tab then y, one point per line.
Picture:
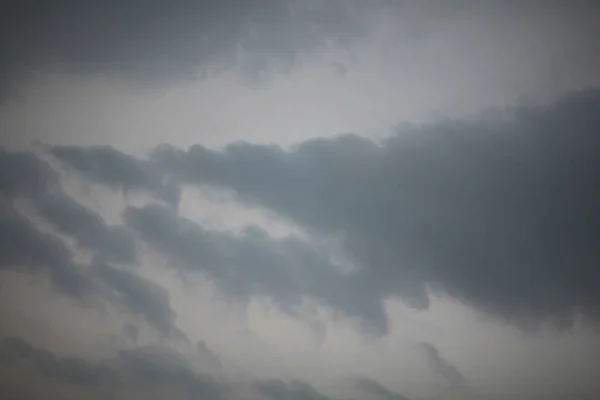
155	369
139	295
71	218
440	366
131	332
157	42
501	214
253	263
370	386
293	390
24	247
119	171
23	174
64	369
210	359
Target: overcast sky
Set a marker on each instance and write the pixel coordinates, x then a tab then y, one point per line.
299	200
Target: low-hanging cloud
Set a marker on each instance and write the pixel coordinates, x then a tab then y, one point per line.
253	264
442	367
499	213
118	171
132	373
26	248
88	227
158	43
372	387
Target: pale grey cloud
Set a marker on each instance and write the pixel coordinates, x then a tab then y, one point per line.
372	387
25	248
441	366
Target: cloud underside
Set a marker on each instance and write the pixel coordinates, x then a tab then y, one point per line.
131	374
138	373
501	214
156	43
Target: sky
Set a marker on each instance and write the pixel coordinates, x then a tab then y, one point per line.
299	200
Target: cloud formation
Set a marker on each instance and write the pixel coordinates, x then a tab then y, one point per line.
25	248
442	367
253	263
499	213
371	387
28	249
133	373
146	369
157	43
88	227
118	171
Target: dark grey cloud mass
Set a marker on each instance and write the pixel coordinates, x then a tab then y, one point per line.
159	42
27	177
148	369
143	371
253	263
23	174
501	213
24	247
138	294
117	170
88	227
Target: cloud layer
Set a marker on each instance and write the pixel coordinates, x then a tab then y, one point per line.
499	213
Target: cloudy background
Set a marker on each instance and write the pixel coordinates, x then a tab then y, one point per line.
299	200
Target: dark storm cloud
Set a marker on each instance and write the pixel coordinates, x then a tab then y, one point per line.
25	248
88	227
23	175
440	366
502	214
370	386
159	42
150	368
119	171
64	369
253	263
139	295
